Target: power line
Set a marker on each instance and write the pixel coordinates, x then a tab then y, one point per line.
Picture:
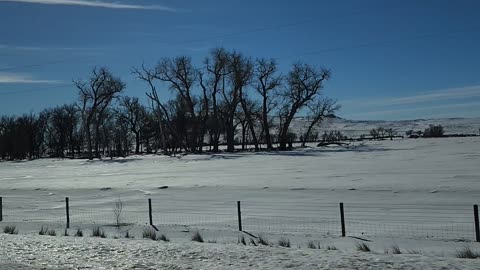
228	35
266	28
326	50
380	43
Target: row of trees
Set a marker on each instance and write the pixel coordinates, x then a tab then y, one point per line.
382	133
207	107
432	131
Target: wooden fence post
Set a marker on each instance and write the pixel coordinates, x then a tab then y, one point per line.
477	225
150	218
342	218
67	207
239	212
1	209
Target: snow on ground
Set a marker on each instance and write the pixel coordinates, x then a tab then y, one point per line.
37	252
416	193
423	165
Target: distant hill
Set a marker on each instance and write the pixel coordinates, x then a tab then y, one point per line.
355	128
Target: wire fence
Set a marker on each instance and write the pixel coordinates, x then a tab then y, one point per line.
444	222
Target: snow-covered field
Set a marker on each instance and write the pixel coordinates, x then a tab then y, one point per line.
416	193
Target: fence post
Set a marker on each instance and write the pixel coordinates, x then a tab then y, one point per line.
67	207
1	209
150	211
239	212
477	226
342	218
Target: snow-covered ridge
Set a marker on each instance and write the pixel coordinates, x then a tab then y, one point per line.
353	128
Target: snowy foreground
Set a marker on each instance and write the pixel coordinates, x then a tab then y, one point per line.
37	252
414	193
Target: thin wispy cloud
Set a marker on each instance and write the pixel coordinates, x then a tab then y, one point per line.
425	97
43	48
97	4
14	78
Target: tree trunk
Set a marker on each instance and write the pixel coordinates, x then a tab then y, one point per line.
216	129
266	125
230	137
137	142
310	127
249	121
244	135
89	143
97	140
284	133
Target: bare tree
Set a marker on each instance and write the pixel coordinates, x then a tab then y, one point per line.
381	132
374	133
391	133
243	67
239	76
267	83
322	108
117	212
149	76
135	115
95	96
212	79
204	111
73	120
304	83
181	75
60	129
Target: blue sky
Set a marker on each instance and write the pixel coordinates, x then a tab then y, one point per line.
390	59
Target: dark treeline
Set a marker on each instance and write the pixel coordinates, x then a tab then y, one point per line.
229	99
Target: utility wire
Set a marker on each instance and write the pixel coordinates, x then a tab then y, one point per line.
378	43
268	28
223	36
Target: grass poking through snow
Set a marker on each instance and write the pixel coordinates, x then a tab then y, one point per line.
284	242
262	240
363	247
10	229
98	232
46	231
149	233
415	251
467	253
79	233
241	240
43	231
395	249
311	245
332	248
163	237
197	237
